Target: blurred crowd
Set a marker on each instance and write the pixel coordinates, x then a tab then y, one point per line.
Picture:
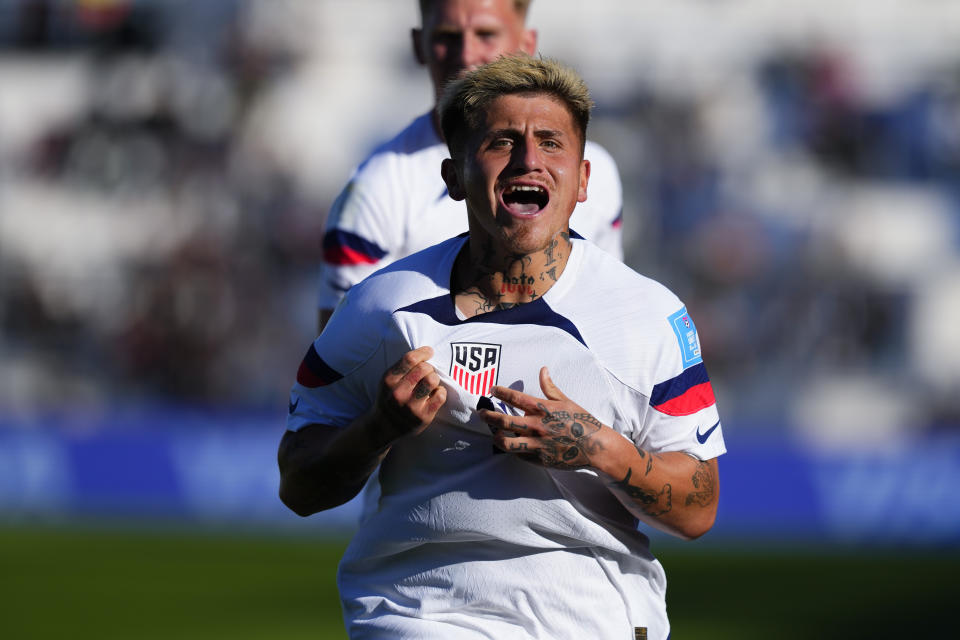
157	245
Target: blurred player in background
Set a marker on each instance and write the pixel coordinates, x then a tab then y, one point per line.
396	202
585	376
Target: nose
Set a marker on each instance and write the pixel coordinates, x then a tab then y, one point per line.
527	155
472	52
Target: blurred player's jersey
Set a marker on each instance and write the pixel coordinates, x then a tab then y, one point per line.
466	542
396	203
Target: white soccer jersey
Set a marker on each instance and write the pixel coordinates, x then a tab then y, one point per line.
396	203
536	552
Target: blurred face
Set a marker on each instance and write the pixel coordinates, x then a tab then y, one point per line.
460	35
522	173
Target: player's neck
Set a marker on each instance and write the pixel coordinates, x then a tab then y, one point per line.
487	279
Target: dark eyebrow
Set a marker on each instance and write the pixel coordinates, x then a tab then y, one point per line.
446	31
512	133
548	133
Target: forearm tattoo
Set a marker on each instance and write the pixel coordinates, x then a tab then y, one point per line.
704	482
643	454
653	503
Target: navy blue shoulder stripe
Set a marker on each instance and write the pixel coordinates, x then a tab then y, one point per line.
314	372
346	248
679	385
537	312
684	394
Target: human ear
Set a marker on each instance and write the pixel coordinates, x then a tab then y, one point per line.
416	39
584	179
528	41
451	176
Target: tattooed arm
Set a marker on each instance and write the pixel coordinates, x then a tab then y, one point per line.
672	491
322	467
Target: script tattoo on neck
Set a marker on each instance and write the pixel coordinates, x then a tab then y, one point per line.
654	503
549	273
521	283
549	252
486	295
570	443
494	276
704	482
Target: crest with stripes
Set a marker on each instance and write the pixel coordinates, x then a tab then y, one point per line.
474	365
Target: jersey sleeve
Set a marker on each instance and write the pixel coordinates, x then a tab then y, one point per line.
682	412
337	379
364	232
599	218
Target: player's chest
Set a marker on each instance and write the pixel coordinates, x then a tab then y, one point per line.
475	356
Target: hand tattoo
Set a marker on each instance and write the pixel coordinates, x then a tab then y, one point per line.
422	390
569	443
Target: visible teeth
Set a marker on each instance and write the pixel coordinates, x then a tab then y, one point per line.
523	187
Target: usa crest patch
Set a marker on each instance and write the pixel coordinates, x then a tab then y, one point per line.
475	365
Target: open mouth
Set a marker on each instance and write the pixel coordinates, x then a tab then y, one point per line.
525	199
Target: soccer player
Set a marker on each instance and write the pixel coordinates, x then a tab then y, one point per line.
527	397
396	203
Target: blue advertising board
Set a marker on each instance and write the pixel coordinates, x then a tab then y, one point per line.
221	468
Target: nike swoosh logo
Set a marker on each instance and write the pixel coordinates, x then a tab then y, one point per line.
702	437
293	405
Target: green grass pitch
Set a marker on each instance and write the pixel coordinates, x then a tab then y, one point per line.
94	582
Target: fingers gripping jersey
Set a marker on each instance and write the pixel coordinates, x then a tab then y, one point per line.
535	542
396	204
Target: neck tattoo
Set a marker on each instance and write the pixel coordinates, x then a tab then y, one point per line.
496	283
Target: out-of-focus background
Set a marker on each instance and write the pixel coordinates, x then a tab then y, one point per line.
791	170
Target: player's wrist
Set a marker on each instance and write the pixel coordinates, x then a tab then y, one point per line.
378	431
614	455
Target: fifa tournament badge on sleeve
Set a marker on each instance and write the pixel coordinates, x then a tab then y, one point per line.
686	332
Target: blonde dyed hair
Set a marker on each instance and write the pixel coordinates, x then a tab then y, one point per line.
464	101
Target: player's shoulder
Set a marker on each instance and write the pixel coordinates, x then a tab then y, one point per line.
412	278
417	139
408	163
624	316
622	286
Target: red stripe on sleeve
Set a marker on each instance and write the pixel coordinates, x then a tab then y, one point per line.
692	400
347	256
